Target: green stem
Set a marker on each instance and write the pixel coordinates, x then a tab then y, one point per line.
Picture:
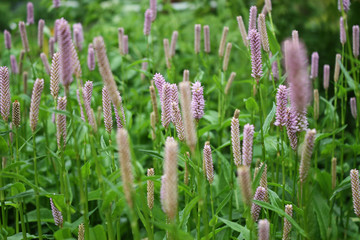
37	197
263	150
212	212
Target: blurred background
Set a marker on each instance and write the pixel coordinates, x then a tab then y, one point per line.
316	21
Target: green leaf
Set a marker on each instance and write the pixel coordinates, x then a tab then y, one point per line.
63	233
251	105
344	185
269	119
187	210
352	84
282	214
322	213
237	227
97	232
3	147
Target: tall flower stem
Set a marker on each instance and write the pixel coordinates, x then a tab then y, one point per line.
212	211
263	150
23	229
37	197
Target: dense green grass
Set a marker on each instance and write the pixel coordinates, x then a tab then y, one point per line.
84	178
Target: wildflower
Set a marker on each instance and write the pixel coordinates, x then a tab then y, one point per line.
245	184
326	76
255	46
106	105
7	39
223	41
259	196
207	39
147	22
287	224
197	38
23	36
35	103
235	138
281	103
41	25
208	163
264	229
314	65
242	31
247	149
306	154
58	218
150	189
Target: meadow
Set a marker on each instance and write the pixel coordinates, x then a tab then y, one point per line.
178	120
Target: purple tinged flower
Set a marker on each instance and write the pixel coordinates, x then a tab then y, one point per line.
167	52
153	9
208	163
337	67
150	188
30	13
264	229
302	120
306	153
207	38
235	138
56	29
144	66
287	224
44	59
247	149
355	35
174	93
23	36
298	78
174	38
229	82
342	31
166	105
242	30
56	3
223	41
274	68
326	74
7	39
345	5
353	107
255	47
61	123
120	40
281	104
227	57
263	32
51	47
177	120
197	101
55	76
106	105
245	184
87	94
189	126
127	177
314	65
16	116
259	196
76	63
252	19
159	82
147	22
14	65
170	190
295	37
35	103
126	44
65	49
5	98
355	189
41	25
197	38
292	127
78	35
58	218
119	120
162	192
91	58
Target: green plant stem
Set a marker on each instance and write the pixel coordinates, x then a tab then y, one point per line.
212	212
37	197
263	150
103	191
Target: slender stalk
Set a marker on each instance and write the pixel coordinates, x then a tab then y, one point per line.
37	197
212	211
263	150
